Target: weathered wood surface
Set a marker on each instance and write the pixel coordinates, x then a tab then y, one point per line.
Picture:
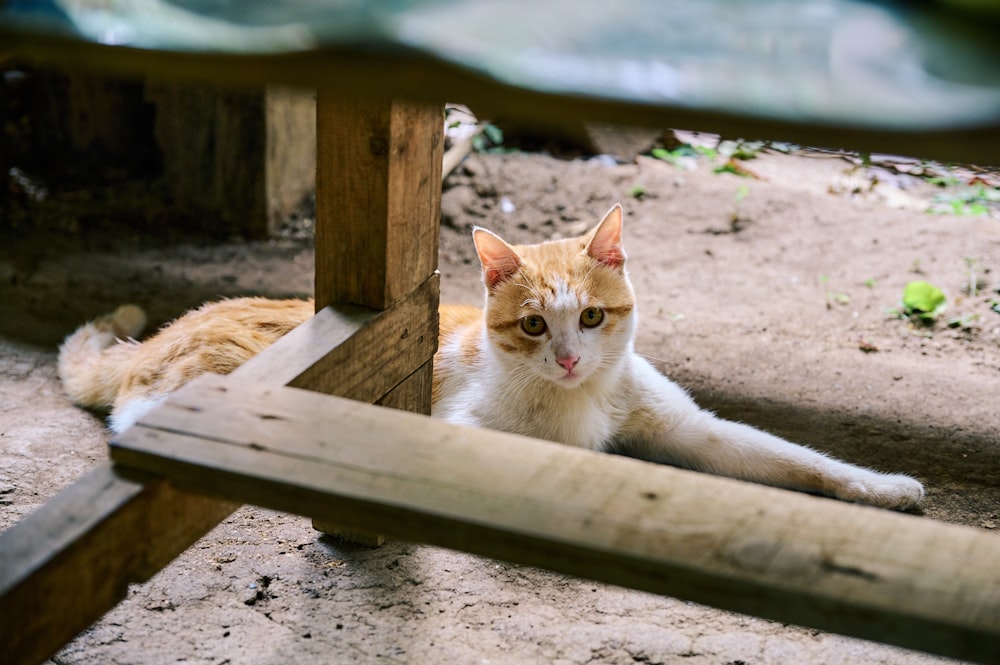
379	183
855	570
290	152
242	158
413	393
65	564
354	352
378	210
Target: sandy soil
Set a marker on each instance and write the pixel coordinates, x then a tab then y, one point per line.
777	319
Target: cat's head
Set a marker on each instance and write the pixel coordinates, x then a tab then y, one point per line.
561	310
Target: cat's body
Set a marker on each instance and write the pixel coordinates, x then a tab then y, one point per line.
99	369
551	356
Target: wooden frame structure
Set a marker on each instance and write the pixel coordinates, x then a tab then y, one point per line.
256	437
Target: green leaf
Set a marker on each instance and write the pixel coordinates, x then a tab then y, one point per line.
637	192
923	299
493	133
731	167
705	151
676	155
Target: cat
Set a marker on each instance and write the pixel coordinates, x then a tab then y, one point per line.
550	356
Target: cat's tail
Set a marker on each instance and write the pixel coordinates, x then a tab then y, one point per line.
92	359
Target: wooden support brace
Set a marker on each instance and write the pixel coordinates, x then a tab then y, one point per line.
354	352
71	560
811	561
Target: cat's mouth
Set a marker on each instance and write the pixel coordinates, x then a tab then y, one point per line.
570	378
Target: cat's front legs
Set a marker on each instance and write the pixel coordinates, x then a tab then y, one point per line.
703	442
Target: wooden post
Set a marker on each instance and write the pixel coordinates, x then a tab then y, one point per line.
378	199
378	212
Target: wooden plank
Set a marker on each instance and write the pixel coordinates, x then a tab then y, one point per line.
816	562
67	563
354	352
290	159
378	199
414	393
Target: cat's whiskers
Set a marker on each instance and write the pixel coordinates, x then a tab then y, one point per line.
653	358
519	381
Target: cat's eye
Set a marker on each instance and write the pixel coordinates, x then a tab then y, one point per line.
533	325
591	317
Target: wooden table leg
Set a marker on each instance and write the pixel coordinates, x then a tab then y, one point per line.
378	203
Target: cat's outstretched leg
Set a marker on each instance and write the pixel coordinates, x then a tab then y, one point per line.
769	459
90	359
670	428
703	442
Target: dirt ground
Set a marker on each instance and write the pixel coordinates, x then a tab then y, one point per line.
778	318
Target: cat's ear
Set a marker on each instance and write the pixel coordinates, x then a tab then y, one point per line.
605	242
500	261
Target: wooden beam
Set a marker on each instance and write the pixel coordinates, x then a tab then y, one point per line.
236	158
413	393
378	199
67	563
354	352
791	557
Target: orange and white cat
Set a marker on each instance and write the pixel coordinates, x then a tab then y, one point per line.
550	356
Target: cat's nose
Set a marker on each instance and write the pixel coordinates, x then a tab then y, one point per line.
568	362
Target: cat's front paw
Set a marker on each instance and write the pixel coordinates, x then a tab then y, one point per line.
894	491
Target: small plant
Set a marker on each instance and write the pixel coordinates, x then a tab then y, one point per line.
832	297
973	286
964	322
923	301
741	193
735	167
638	192
488	139
976	199
684	156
